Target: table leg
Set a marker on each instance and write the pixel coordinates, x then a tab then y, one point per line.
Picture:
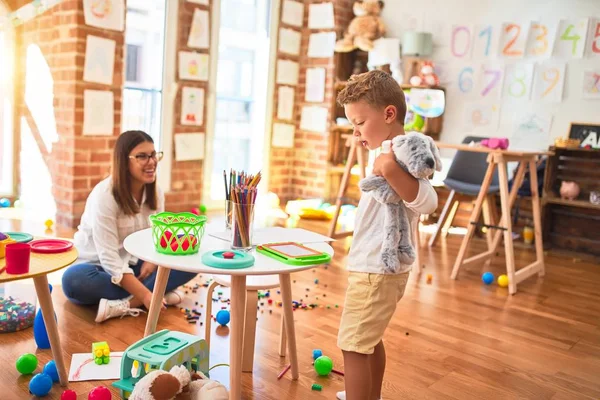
160	284
249	330
537	218
507	223
208	318
238	299
288	312
282	341
43	294
474	217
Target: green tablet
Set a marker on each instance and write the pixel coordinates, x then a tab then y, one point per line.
293	253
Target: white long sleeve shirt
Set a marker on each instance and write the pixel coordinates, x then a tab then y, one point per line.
104	227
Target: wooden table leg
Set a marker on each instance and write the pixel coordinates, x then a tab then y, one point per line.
282	337
207	320
537	218
288	312
249	330
507	224
43	294
474	217
160	285
238	300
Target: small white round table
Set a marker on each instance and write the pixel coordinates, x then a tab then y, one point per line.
140	245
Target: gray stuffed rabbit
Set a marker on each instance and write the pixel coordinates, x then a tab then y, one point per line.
417	154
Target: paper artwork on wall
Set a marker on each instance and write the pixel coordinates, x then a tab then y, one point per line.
98	112
314	119
199	37
293	13
287	72
289	41
548	82
192	106
99	60
517	81
571	38
482	117
513	39
283	135
321	45
285	103
591	84
315	85
532	131
321	16
193	66
189	146
201	2
105	14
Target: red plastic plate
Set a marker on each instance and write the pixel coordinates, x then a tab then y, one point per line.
50	246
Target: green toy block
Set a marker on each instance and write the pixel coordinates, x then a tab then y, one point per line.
101	353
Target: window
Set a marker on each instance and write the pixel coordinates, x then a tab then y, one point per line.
144	67
7	187
236	140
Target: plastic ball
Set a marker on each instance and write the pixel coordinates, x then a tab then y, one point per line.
223	317
49	223
99	393
202	208
68	395
40	384
323	365
317	353
51	370
503	281
4	202
27	363
487	278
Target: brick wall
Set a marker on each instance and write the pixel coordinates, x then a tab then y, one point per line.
302	170
186	176
77	163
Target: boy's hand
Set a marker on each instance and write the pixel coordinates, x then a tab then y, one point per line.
383	163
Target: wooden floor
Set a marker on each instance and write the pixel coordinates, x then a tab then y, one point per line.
448	339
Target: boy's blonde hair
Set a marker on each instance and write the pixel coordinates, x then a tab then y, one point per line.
378	89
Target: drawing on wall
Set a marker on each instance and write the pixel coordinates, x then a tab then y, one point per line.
199	34
481	116
105	14
591	84
98	112
532	131
99	60
192	106
193	66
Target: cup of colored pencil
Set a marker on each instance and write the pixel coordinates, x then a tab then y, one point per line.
241	193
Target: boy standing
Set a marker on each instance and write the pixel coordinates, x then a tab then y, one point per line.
374	103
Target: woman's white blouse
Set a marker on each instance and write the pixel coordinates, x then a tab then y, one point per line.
104	227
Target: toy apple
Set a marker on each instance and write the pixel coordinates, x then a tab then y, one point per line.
186	242
164	239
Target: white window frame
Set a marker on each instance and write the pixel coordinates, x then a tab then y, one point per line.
12	156
212	101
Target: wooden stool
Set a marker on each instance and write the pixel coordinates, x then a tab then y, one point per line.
254	283
500	159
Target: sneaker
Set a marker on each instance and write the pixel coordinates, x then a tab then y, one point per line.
342	395
173	297
115	308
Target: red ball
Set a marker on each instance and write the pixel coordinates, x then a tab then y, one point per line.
68	395
100	393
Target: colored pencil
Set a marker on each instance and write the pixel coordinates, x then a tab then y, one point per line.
282	373
241	191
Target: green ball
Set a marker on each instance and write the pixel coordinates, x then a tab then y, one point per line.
202	208
323	365
27	363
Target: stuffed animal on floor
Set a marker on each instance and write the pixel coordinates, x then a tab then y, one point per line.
178	384
417	154
366	27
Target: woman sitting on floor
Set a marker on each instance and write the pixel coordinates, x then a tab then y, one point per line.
118	206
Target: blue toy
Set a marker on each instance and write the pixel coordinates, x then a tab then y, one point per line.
317	353
223	317
161	351
4	202
487	278
39	329
50	370
40	384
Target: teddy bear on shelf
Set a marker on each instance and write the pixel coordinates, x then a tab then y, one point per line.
365	28
426	77
178	384
420	157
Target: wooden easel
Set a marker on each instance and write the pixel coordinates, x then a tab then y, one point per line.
354	154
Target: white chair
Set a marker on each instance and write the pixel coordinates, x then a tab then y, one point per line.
254	283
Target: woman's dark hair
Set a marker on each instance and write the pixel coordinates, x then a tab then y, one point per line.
122	178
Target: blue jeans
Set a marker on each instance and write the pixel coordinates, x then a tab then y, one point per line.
86	284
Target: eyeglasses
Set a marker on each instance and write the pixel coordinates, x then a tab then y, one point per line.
143	158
